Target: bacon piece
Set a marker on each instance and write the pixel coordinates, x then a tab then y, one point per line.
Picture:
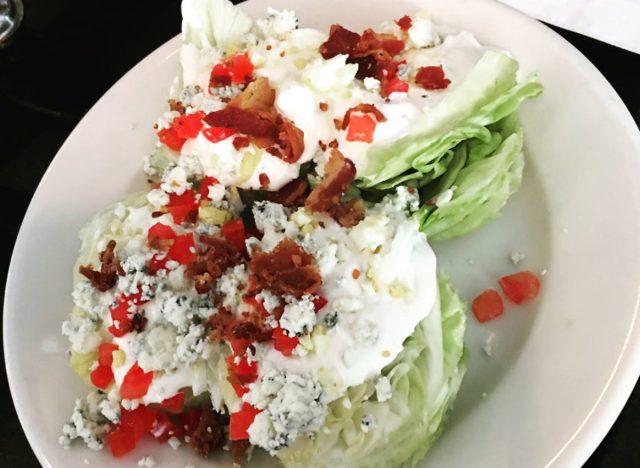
110	268
340	41
257	96
215	256
238	450
241	142
349	213
250	330
291	140
339	172
333	144
247	122
432	78
292	194
287	269
176	106
138	322
367	66
209	435
365	109
220	325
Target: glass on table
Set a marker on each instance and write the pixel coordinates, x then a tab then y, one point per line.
11	12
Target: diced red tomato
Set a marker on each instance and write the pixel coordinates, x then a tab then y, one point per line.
157	263
241	421
520	287
139	421
283	342
361	128
233	231
432	78
241	68
164	428
170	138
405	23
183	207
239	346
135	383
220	69
258	305
396	85
120	318
121	441
188	125
160	231
319	302
105	353
394	47
205	183
216	134
175	404
183	249
245	371
487	306
239	389
102	376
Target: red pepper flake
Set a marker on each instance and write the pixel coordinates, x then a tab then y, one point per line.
241	142
337	123
323	146
405	23
269	47
323	106
264	180
432	78
282	54
355	273
333	144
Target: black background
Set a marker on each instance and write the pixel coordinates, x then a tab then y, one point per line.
67	53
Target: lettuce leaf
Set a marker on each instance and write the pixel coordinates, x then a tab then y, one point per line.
425	378
213	23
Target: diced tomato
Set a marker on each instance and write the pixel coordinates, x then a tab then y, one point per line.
216	134
175	404
394	47
120	318
102	376
170	138
396	85
239	389
258	305
233	231
183	249
121	441
241	68
139	421
105	353
160	232
241	421
487	306
164	428
405	23
245	371
188	125
319	302
136	383
361	128
205	183
520	287
157	263
183	207
220	69
239	346
283	342
432	78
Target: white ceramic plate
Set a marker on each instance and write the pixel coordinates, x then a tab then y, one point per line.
562	367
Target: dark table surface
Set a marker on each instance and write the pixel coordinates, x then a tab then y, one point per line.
67	53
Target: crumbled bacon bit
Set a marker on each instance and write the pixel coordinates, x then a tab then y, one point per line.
238	450
240	142
264	180
367	66
292	194
287	269
355	274
365	109
215	256
177	106
258	96
249	330
244	121
405	22
209	435
324	107
138	322
291	140
157	214
220	325
340	41
334	144
323	146
432	78
339	172
110	268
349	213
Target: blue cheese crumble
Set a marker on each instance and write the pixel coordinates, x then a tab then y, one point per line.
87	423
299	316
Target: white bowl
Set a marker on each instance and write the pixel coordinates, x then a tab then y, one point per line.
562	367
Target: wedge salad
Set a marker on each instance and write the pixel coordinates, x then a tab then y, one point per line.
275	287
